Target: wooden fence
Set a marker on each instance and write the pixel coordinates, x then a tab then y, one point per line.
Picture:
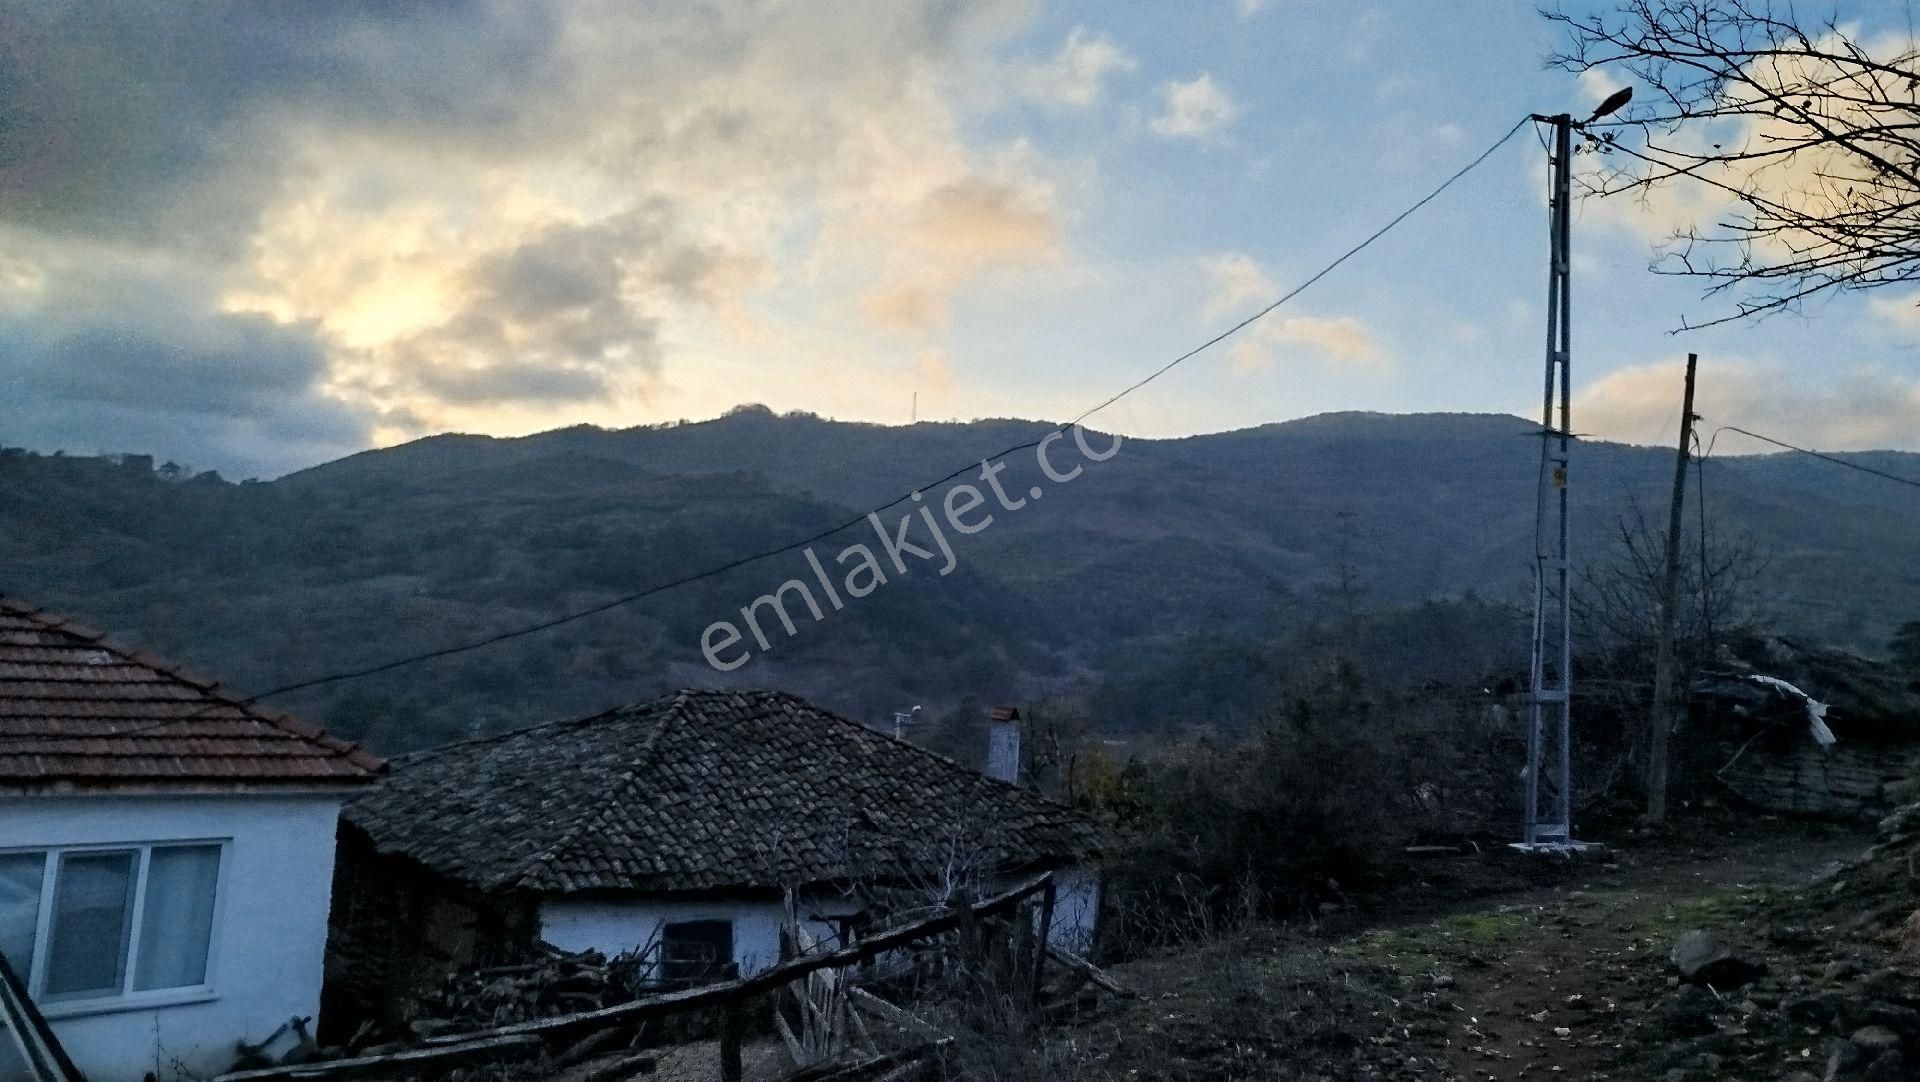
726	998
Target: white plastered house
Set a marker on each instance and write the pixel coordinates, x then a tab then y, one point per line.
677	825
166	853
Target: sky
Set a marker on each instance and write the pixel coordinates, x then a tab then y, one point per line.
255	237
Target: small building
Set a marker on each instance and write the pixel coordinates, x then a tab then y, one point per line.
166	852
673	829
1801	729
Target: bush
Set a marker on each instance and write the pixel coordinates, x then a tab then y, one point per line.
1320	800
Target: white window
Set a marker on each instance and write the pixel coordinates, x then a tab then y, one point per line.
109	921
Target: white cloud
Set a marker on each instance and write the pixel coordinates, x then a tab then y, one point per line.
1239	281
571	213
1339	342
1249	8
1865	409
1077	75
1903	312
1196	109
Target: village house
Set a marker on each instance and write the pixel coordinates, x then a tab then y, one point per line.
676	828
165	855
1801	729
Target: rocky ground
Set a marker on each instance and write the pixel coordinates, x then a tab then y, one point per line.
1794	965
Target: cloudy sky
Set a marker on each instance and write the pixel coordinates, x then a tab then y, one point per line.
253	237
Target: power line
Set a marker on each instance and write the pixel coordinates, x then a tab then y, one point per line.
1822	456
730	565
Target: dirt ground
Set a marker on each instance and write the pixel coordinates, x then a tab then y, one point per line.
1545	972
1549	983
1479	967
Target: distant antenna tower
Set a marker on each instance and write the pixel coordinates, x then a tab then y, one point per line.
902	719
914	418
1549	813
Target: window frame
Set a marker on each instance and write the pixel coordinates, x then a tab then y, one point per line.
717	967
126	998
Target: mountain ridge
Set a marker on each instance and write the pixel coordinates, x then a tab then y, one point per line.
1232	539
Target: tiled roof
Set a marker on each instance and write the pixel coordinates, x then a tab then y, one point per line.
703	790
75	709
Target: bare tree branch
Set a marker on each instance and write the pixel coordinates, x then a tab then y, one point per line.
1810	139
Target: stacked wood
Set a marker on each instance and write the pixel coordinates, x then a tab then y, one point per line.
525	992
555	983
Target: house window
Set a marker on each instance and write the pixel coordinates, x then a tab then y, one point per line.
696	951
89	923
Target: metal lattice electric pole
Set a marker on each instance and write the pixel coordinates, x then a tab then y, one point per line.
1549	811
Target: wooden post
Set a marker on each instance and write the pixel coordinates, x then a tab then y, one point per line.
1666	692
730	1070
1040	940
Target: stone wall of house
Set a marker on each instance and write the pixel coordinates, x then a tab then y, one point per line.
1851	779
397	931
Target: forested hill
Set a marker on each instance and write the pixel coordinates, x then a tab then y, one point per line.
1159	581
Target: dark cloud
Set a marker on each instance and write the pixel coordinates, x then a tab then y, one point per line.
237	392
555	319
492	383
164	121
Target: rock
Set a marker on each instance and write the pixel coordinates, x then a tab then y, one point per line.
1904	820
1681	1054
1888	1066
1841	969
1842	1057
1704	958
1875	1039
1818	1008
1888	983
1799	1076
1902	1020
1686	1013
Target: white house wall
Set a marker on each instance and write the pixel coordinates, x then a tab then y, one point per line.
269	934
616	926
1076	909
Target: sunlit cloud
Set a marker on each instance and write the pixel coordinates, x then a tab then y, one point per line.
1077	75
1342	342
1239	281
1866	409
1199	108
486	216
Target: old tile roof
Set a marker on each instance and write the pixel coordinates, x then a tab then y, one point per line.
703	790
76	709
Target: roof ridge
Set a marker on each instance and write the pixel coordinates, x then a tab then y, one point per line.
351	751
928	752
508	734
529	872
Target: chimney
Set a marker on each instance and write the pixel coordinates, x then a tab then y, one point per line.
1003	744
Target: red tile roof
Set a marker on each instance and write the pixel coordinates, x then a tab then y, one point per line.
77	709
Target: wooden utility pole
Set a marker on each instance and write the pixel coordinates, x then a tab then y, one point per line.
1667	697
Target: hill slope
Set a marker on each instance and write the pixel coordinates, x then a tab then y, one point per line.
1211	545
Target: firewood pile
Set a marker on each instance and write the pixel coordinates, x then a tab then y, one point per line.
555	983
